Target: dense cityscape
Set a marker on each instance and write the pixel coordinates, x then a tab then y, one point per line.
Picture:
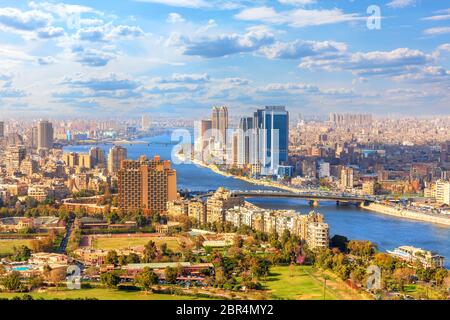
72	195
224	158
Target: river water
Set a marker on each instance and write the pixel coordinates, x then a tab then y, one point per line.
385	231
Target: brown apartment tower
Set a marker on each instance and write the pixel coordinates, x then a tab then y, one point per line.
146	184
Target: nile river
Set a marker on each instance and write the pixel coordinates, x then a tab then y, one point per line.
386	231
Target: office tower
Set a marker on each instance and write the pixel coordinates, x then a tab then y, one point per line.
219	123
245	141
234	149
34	137
146	184
2	129
115	157
145	122
346	178
272	124
45	135
98	158
202	135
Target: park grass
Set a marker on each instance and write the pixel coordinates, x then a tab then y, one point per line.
305	283
6	246
107	243
100	294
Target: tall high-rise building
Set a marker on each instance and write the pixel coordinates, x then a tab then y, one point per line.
347	178
97	156
45	135
145	122
146	184
34	137
2	129
219	124
245	141
272	125
115	156
202	135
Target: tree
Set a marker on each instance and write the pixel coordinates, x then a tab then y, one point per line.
171	275
133	258
21	253
112	258
146	279
150	251
12	282
440	275
110	279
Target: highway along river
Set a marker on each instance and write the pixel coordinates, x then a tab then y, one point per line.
385	231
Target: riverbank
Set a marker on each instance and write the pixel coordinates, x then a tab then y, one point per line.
408	214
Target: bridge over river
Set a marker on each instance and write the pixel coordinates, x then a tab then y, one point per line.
313	196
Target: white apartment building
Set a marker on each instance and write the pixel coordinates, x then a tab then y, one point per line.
318	235
443	192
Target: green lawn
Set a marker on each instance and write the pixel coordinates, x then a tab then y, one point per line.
305	283
295	283
106	243
6	246
101	294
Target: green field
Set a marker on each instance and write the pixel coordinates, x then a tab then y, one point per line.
6	246
99	293
107	243
303	283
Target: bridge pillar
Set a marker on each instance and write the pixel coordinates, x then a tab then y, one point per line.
314	203
338	203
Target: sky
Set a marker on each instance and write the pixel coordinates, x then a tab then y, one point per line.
180	57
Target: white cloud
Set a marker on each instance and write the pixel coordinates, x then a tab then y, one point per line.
15	19
302	48
399	4
298	17
297	2
179	3
375	63
437	31
175	18
222	45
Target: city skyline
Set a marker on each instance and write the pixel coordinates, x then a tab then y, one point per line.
159	57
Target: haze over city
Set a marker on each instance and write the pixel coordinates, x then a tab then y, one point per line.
114	58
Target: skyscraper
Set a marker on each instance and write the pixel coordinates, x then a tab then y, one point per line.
219	124
202	135
146	184
145	122
34	137
245	141
45	135
97	156
2	129
272	125
115	156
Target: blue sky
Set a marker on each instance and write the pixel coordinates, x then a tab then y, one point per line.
180	57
